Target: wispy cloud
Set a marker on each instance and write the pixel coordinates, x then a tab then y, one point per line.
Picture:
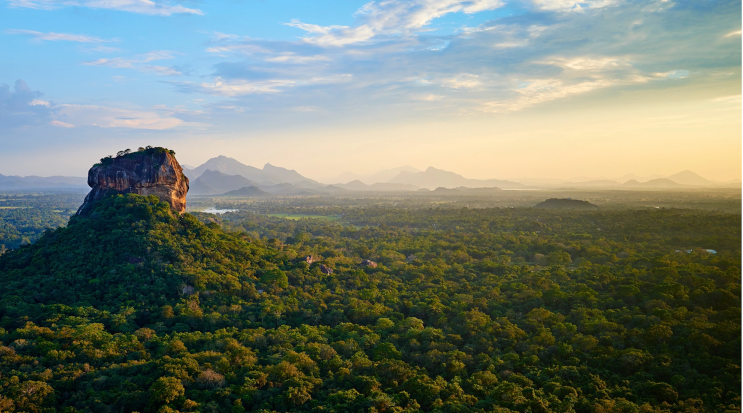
734	33
462	81
390	17
61	124
55	37
239	87
161	70
536	91
580	75
574	5
102	49
289	57
132	6
138	62
728	99
428	97
112	117
222	87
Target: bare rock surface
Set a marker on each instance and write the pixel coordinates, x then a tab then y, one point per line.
369	263
151	171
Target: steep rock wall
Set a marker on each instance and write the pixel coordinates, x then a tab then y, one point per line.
149	172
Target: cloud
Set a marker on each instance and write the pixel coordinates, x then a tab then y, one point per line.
102	49
111	117
137	63
390	17
428	98
462	81
547	51
246	48
54	37
580	75
222	87
728	99
61	124
290	57
233	44
733	33
588	64
220	36
22	106
133	6
536	91
115	62
161	70
573	5
240	87
180	110
674	74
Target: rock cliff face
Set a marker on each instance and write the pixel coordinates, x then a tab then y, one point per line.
153	171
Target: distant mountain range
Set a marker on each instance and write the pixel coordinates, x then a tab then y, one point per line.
39	182
433	178
379	177
221	175
229	177
684	179
269	175
379	186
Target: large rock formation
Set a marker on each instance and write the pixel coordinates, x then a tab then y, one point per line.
151	171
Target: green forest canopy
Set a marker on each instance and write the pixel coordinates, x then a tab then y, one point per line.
137	309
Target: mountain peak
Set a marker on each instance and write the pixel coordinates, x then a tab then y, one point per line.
688	177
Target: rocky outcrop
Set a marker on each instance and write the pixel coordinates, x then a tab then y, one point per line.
369	263
325	270
151	171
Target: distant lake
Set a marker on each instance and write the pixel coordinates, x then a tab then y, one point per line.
213	210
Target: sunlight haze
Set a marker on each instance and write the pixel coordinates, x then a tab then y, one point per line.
488	89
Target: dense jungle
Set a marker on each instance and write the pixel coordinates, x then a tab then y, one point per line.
382	304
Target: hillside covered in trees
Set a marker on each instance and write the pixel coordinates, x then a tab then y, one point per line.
467	310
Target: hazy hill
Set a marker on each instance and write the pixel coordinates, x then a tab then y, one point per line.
290	189
223	182
278	174
379	186
654	183
466	191
433	178
199	187
246	191
690	178
567	203
379	177
38	182
598	183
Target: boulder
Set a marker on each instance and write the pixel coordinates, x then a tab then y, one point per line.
309	259
151	171
325	270
369	263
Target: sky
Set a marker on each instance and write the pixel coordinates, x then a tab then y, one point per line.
485	88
